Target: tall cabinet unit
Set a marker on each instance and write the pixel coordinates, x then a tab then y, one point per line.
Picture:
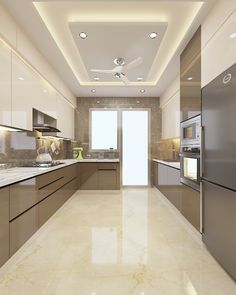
190	78
5	85
65	118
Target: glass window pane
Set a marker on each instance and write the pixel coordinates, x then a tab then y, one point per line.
103	130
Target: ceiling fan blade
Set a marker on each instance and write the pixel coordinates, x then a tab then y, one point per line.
102	71
124	79
138	61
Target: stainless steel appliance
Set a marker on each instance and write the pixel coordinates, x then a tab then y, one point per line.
190	132
219	168
190	152
190	166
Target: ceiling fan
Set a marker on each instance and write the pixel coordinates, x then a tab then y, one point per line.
121	68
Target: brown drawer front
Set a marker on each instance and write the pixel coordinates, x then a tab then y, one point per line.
70	188
4	225
107	166
47	178
50	188
23	195
50	205
70	172
22	228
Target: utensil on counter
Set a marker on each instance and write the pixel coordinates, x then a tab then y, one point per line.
43	158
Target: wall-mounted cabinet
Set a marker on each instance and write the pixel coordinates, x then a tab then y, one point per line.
5	85
171	117
218	53
65	118
190	78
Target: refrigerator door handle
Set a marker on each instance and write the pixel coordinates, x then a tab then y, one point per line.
202	152
201	207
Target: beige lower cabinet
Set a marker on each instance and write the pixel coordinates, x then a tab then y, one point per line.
88	176
99	176
184	198
22	228
4	225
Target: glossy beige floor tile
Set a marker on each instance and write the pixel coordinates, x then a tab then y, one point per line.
130	242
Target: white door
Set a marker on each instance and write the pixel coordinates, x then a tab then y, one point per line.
135	147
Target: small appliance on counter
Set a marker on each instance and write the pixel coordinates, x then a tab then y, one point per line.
77	153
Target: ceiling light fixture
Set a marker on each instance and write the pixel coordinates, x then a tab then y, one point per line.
21	78
153	35
96	78
83	35
233	35
142	90
190	78
140	78
93	90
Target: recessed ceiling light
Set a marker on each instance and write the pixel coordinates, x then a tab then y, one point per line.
142	90
190	78
153	35
233	35
21	78
45	90
93	90
140	78
83	35
96	78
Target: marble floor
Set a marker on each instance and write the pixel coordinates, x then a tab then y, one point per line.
130	242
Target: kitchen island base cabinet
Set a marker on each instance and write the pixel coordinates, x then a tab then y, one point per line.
22	228
4	225
99	176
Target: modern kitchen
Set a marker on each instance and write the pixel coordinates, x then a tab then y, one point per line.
117	147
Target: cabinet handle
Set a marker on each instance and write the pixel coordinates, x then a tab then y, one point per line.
104	169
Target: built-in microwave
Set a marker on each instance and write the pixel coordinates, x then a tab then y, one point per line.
190	132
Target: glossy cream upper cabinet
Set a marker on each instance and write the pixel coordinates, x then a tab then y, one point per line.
45	98
5	85
219	52
65	118
24	94
171	117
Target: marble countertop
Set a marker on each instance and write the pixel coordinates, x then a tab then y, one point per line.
16	174
171	164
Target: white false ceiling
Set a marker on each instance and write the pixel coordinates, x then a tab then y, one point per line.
115	29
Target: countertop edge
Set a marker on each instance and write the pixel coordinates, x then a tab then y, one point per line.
18	174
175	165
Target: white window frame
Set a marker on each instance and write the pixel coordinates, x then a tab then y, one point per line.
90	129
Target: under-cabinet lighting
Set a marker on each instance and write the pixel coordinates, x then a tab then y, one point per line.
50	137
6	128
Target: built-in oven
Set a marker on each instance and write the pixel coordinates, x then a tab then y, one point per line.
190	144
190	166
190	132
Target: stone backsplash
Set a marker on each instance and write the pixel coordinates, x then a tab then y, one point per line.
17	148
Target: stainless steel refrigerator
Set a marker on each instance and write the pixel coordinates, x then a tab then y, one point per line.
219	168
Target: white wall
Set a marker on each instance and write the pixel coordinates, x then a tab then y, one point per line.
170	105
218	49
15	37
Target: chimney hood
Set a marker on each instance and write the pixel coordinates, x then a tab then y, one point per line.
43	122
